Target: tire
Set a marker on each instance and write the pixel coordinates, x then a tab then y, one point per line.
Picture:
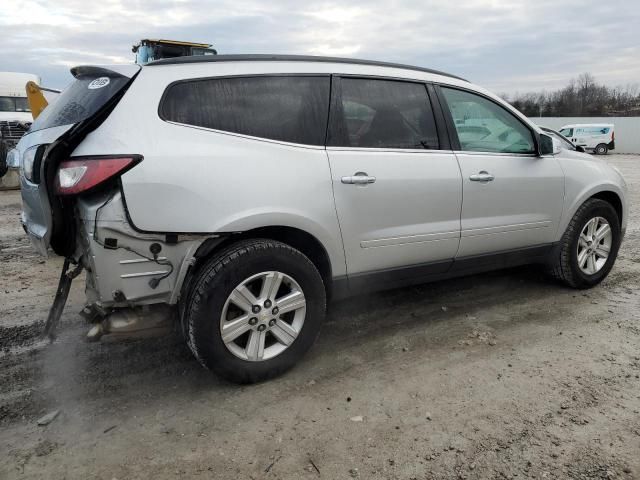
601	149
210	297
565	265
3	158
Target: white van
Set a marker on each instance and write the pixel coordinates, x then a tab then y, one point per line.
598	137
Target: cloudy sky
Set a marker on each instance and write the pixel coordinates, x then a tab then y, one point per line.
506	45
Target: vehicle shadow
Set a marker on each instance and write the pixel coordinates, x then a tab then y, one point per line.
162	371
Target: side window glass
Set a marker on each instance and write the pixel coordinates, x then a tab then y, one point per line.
484	126
287	108
384	114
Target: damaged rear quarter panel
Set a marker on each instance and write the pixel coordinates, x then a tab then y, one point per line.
121	276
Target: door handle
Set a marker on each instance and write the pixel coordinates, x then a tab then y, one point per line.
360	178
482	176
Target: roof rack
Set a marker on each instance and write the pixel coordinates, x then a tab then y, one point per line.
291	58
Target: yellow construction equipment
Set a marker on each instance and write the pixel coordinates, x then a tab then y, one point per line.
149	50
35	98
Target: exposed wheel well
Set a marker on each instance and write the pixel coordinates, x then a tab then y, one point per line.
306	243
613	199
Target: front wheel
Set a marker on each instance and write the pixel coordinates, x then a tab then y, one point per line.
254	310
589	247
601	149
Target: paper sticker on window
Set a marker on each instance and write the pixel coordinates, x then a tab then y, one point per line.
98	83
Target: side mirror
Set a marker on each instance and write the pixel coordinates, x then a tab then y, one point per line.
548	145
580	149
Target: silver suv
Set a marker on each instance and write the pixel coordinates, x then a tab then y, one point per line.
247	191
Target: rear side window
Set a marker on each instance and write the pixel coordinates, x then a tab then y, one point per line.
287	108
595	130
80	100
484	126
375	113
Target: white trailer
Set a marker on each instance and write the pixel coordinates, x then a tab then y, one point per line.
15	118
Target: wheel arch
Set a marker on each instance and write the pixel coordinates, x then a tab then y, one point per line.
607	192
613	199
297	238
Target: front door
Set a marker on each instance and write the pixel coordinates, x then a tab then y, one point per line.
398	196
513	198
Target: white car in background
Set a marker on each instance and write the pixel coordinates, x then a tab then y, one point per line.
596	137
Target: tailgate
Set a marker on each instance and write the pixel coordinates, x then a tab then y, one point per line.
61	126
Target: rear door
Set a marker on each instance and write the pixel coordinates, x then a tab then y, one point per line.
90	92
513	198
397	186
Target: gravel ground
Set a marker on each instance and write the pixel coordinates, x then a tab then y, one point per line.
502	375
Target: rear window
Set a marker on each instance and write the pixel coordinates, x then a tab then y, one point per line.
80	100
286	108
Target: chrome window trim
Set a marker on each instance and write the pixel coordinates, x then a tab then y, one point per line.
496	154
247	137
386	150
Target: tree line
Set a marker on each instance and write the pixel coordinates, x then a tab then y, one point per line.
582	97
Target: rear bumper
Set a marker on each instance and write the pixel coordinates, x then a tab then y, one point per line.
37	238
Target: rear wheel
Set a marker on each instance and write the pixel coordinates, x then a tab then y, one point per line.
601	149
3	158
254	310
589	246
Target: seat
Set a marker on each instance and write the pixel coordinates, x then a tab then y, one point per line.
388	127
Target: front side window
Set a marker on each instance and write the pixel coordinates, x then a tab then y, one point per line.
484	126
567	132
286	108
375	113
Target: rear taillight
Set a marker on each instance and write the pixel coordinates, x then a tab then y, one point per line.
613	136
81	174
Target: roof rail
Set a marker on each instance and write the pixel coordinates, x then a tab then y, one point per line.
290	58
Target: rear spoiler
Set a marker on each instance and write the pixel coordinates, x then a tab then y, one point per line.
127	71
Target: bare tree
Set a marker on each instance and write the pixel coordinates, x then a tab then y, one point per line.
583	96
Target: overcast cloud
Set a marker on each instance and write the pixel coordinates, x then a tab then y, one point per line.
505	45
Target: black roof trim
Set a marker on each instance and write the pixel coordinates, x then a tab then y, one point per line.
291	58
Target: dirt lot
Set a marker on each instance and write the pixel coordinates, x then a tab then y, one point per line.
496	376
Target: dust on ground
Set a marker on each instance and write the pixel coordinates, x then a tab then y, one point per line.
502	375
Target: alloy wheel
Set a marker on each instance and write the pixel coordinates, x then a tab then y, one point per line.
594	245
263	316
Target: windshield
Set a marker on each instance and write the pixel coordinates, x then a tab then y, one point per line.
14	104
144	55
202	51
82	99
